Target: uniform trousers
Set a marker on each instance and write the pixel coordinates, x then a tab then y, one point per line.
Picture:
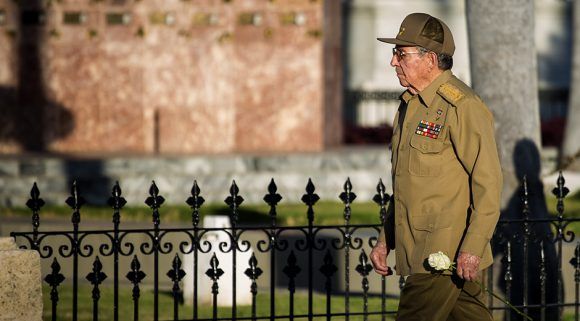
437	297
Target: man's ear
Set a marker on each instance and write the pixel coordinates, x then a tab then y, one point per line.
433	58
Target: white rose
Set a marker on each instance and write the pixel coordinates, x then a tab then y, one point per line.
439	261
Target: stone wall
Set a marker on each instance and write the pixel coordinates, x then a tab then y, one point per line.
214	173
169	77
175	175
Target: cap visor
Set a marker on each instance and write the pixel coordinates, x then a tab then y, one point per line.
396	41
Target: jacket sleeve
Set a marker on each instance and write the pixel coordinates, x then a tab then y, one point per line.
387	234
473	138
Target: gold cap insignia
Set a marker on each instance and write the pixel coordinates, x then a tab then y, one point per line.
401	31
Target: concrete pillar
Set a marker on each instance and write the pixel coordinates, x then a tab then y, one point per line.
20	283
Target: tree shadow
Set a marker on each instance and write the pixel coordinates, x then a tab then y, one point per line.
528	275
31	119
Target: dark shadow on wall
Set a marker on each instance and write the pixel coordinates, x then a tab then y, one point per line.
94	186
32	120
526	159
29	117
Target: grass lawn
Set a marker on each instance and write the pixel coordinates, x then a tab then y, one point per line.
85	305
325	213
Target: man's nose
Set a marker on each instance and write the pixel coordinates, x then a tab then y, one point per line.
394	61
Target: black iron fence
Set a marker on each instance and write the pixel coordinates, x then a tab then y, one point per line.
314	258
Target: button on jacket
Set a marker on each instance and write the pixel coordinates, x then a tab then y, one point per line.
446	176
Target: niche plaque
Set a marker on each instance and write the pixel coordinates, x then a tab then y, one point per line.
118	19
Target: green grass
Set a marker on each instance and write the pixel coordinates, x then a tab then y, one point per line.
85	305
571	210
569	317
326	213
571	205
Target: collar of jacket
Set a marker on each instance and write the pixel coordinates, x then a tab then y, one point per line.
426	96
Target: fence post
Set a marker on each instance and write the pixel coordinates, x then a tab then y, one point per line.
20	283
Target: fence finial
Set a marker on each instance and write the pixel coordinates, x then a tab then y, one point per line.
347	197
154	201
253	272
310	198
116	201
381	198
575	262
35	203
96	277
560	191
292	270
195	201
75	201
234	201
272	199
54	279
328	268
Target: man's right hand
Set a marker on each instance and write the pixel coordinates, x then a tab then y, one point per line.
379	258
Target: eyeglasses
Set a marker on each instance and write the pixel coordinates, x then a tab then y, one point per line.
400	54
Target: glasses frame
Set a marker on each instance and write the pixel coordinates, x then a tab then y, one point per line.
400	54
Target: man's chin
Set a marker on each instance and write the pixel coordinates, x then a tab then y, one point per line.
402	81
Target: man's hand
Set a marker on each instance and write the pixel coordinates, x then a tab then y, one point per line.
379	258
467	266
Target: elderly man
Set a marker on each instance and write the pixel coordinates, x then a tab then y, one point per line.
446	179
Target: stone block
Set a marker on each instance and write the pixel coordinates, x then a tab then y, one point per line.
7	244
243	283
31	167
20	283
9	168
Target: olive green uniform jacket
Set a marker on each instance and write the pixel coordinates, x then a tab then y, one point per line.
446	176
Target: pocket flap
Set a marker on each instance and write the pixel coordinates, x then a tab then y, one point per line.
426	146
422	222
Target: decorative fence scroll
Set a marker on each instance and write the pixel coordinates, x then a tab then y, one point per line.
312	257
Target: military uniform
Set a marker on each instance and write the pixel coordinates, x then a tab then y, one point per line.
446	176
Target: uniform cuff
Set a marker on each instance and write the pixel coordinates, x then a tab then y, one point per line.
474	244
382	237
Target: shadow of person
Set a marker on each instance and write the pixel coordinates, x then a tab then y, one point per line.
526	267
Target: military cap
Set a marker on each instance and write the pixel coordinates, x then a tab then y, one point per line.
421	29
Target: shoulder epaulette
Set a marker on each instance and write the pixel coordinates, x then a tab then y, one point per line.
451	93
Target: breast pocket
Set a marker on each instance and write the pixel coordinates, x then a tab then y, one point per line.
425	156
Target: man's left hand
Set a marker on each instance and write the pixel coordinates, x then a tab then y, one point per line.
468	266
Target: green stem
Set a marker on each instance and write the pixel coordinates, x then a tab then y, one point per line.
452	268
503	300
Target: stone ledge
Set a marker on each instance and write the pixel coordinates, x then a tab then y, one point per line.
214	173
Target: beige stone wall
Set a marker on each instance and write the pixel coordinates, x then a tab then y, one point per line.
180	77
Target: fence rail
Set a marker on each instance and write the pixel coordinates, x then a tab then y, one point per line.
312	257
